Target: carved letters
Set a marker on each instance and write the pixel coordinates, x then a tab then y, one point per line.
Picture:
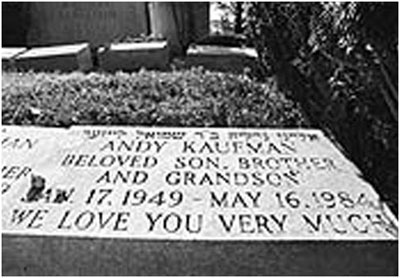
186	183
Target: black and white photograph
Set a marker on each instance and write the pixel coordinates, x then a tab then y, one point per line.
199	138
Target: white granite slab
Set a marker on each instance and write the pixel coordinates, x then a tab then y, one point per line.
133	56
8	53
186	184
56	58
222	51
138	46
55	50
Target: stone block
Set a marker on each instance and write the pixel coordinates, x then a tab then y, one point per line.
186	184
221	58
56	58
133	56
8	55
188	201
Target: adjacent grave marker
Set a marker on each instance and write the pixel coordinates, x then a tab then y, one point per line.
8	54
133	56
61	57
186	183
222	58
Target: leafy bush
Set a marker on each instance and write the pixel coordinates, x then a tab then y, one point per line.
180	98
339	61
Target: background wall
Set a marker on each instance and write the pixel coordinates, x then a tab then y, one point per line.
96	22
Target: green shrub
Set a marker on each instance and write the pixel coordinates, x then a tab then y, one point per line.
180	98
339	60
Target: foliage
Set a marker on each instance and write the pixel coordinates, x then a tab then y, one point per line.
180	98
339	60
237	10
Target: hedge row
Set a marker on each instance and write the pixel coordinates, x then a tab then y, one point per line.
181	98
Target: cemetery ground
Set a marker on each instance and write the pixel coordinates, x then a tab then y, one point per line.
181	98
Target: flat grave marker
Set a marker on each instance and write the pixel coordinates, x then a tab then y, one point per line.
60	57
186	184
221	58
8	54
133	56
